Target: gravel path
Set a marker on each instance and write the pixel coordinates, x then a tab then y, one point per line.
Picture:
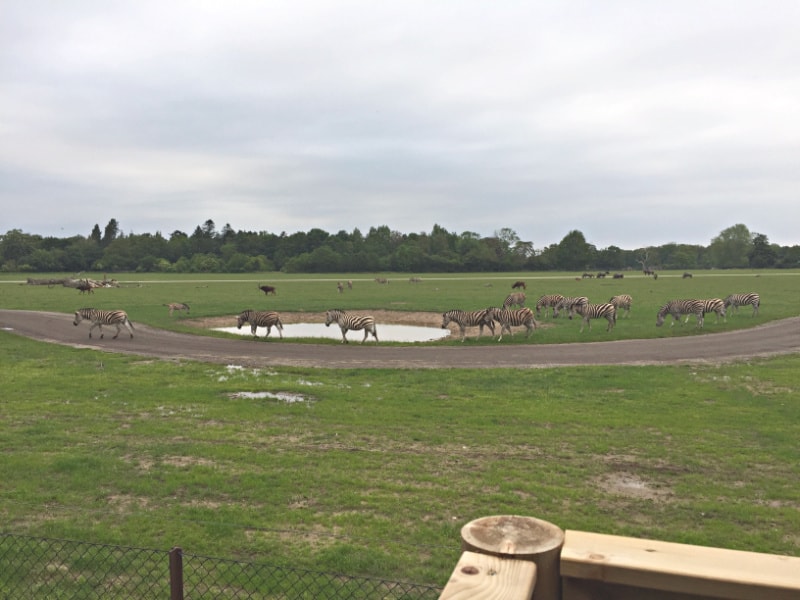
776	337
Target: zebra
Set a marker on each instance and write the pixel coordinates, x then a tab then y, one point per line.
508	318
548	301
622	302
466	319
347	321
676	308
516	298
714	305
258	318
570	305
98	317
737	300
173	306
605	311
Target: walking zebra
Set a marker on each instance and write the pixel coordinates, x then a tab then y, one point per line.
676	308
260	318
98	317
173	306
737	300
514	299
347	321
714	305
548	301
466	319
622	302
514	318
570	305
605	311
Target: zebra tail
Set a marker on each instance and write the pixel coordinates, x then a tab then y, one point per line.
128	321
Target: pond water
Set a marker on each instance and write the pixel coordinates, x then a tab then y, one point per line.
386	333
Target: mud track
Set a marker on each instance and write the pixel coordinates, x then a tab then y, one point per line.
776	337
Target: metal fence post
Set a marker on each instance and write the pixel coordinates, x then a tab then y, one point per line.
176	573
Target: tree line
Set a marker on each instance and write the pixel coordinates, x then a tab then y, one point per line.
209	250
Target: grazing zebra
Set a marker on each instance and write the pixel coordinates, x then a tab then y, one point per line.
570	305
548	301
347	321
622	302
173	306
259	318
514	318
466	319
98	317
714	305
517	298
737	300
605	311
676	308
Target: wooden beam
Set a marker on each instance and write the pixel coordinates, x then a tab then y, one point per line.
481	577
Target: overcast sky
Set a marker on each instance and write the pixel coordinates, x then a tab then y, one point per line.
637	123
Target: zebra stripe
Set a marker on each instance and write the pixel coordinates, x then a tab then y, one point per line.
676	308
98	317
548	301
570	305
622	302
514	318
256	318
605	311
347	321
516	298
737	300
466	319
715	305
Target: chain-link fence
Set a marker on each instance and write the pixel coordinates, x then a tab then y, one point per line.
32	568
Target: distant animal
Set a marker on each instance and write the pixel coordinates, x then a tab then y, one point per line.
519	284
268	289
381	280
737	300
514	299
268	319
340	287
687	276
173	306
85	286
602	275
98	317
587	276
548	301
617	276
349	284
347	322
678	308
622	302
648	272
414	280
481	318
515	317
597	311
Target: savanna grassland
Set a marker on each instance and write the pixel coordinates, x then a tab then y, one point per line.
374	472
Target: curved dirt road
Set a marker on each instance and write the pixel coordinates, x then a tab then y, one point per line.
777	337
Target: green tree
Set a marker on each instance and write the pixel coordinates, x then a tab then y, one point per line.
731	248
575	253
762	255
111	232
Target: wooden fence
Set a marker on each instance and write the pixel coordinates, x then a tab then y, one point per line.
523	558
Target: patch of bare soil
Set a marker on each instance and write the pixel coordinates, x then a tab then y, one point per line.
632	486
389	317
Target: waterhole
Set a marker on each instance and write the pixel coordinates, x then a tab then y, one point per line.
386	333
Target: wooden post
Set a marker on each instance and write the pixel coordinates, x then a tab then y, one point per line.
522	538
176	573
481	576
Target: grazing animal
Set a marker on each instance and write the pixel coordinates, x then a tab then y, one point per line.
98	317
85	286
381	280
548	301
481	318
570	305
622	302
340	287
268	289
256	318
587	276
519	284
173	306
597	311
687	276
414	280
677	308
514	318
648	272
347	322
349	284
617	276
737	300
715	305
602	275
515	299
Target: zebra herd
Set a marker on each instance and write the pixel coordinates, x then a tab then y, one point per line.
700	308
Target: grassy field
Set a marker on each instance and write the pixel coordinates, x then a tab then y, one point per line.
374	472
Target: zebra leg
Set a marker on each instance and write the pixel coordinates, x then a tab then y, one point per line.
254	330
344	337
